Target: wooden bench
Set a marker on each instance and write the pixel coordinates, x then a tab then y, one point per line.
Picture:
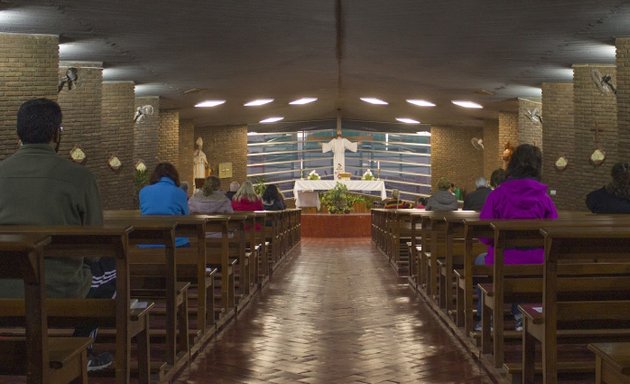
95	241
594	306
612	362
41	358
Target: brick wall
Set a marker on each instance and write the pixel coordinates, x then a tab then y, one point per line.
81	106
225	144
508	131
168	137
559	139
453	157
145	133
186	149
29	67
623	98
593	110
529	132
117	110
491	154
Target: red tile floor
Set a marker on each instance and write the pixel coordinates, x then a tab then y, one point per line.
335	313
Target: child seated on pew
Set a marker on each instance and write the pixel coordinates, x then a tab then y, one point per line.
520	196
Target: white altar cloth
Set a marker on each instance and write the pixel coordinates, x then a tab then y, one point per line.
305	191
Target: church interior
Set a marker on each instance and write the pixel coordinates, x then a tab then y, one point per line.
363	98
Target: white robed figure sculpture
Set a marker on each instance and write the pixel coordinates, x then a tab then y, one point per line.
200	161
338	147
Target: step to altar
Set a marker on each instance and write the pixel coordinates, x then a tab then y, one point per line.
333	225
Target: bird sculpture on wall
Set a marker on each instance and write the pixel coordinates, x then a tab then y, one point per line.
70	78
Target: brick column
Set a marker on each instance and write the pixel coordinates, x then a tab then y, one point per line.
168	137
29	67
508	131
453	156
593	110
491	154
225	144
559	139
145	135
529	132
117	125
623	98
81	106
186	149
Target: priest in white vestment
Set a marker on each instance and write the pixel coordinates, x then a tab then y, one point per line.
338	147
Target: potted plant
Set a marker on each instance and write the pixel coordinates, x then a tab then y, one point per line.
339	200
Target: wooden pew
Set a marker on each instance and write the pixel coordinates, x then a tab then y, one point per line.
612	363
96	241
159	262
600	303
41	358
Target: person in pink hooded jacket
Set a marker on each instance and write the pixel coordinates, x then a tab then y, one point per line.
520	196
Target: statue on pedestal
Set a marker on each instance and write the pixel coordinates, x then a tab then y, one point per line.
200	161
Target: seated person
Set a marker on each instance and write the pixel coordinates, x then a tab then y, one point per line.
521	196
615	196
234	186
443	199
163	196
273	199
209	199
246	199
395	202
421	202
497	177
474	200
39	187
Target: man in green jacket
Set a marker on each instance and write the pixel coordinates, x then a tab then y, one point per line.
39	187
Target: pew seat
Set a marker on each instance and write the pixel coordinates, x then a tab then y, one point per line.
612	362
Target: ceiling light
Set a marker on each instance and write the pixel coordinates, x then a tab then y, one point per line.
373	100
209	103
420	103
257	102
424	133
271	120
252	133
304	100
466	104
407	120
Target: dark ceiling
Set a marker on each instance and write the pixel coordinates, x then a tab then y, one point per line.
185	51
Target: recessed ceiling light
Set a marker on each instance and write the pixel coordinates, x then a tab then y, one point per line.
424	133
374	100
271	120
420	103
467	104
407	120
257	102
304	100
252	133
209	103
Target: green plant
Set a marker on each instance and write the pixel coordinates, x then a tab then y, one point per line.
259	186
140	179
339	199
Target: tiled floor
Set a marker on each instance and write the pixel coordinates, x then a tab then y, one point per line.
335	314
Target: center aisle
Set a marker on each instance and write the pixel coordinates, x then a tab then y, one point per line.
335	314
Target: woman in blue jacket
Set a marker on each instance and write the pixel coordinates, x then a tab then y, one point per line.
163	196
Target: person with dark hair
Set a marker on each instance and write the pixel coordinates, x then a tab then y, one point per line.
615	196
520	196
163	195
234	186
474	200
273	199
209	199
497	177
395	202
443	199
39	187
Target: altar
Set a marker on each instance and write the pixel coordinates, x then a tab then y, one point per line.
306	195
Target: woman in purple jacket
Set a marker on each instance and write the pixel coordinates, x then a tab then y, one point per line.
520	196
